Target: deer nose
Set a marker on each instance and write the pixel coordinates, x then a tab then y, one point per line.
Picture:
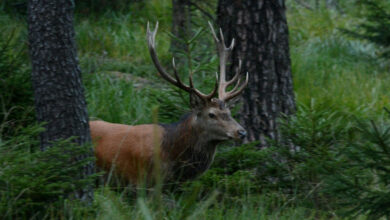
241	133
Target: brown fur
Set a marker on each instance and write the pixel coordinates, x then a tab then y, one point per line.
187	149
130	148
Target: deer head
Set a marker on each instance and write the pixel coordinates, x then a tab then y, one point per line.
210	114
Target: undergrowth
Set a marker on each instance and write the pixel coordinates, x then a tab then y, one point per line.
34	184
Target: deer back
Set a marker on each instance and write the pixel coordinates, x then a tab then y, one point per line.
129	148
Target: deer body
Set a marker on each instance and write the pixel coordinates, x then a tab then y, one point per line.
184	152
178	151
130	148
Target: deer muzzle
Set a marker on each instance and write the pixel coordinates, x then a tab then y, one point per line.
241	134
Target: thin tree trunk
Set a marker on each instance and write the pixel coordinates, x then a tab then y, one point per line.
261	33
181	24
56	78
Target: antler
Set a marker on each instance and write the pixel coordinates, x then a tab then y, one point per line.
224	53
151	36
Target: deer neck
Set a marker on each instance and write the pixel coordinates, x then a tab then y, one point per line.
188	148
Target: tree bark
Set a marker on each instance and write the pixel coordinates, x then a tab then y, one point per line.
261	33
181	24
56	78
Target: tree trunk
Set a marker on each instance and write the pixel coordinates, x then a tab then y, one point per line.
261	33
56	78
181	24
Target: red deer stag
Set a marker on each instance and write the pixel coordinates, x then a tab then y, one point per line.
184	149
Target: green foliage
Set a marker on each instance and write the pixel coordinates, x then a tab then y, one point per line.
376	25
190	206
363	184
199	59
314	138
14	6
16	104
333	70
116	42
234	172
115	100
36	183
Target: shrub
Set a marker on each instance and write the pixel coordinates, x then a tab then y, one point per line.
35	183
376	27
363	184
315	136
16	98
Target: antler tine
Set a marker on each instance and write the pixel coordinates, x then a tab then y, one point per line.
221	36
236	76
151	37
175	71
223	41
213	32
237	84
235	92
191	81
224	53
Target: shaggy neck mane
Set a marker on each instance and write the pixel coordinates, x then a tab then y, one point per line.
188	148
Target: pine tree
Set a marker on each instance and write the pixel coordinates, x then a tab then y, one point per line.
261	34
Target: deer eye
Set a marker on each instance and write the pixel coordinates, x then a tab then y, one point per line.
211	115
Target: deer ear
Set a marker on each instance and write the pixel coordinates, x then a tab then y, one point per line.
196	101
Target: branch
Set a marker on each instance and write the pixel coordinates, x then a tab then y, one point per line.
210	16
304	4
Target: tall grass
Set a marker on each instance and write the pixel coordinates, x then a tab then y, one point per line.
118	40
340	72
330	67
117	101
112	206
